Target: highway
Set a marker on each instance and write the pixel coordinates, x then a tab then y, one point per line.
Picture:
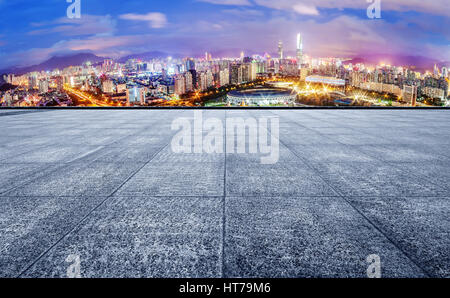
85	98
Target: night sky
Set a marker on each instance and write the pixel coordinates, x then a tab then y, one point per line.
33	31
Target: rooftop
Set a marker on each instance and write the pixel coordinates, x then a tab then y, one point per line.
104	185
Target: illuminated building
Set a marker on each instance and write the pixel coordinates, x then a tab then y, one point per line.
7	98
108	86
224	77
121	88
280	50
190	64
59	84
43	86
202	84
304	72
253	71
180	85
189	82
261	97
381	88
236	74
444	72
245	72
209	79
325	80
32	82
279	84
136	96
434	92
409	95
299	50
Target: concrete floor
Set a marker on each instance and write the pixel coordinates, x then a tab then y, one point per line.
106	186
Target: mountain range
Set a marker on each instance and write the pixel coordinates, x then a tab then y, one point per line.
59	62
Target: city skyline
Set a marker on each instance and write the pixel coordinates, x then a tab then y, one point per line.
221	27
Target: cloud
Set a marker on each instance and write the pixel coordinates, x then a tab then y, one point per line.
254	29
245	13
87	25
438	7
228	2
155	19
306	9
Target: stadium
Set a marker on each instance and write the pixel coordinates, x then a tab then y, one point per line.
262	97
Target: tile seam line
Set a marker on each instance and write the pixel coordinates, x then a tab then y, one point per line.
394	243
372	156
355	147
80	222
62	165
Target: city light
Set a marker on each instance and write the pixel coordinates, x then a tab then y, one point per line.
208	81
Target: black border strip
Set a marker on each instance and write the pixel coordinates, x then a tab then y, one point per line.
278	287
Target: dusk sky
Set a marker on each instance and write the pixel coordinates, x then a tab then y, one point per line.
33	31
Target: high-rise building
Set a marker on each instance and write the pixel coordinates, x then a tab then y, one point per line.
280	50
136	95
32	82
121	88
209	79
108	86
224	77
245	72
59	84
180	85
8	78
190	64
202	83
253	71
43	86
436	70
236	74
409	94
189	82
444	72
299	49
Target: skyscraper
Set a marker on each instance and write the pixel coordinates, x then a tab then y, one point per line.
299	49
280	50
43	86
136	95
190	64
444	72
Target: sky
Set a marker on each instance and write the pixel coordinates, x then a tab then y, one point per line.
33	31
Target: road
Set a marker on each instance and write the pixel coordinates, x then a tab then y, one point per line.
85	98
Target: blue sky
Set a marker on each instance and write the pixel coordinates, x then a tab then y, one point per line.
32	31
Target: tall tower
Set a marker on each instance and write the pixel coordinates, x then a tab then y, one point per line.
280	50
299	49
